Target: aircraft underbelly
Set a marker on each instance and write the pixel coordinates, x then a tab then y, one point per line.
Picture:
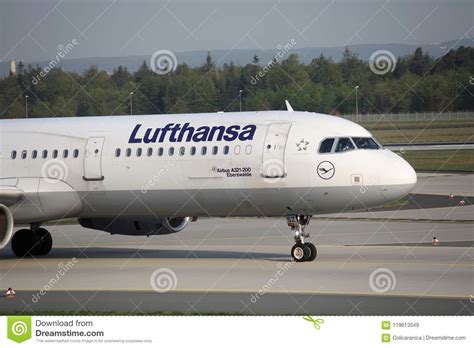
229	202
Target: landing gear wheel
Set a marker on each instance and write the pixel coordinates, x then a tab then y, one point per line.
314	252
22	243
298	252
29	243
44	242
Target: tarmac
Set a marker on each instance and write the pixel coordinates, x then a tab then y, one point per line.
373	262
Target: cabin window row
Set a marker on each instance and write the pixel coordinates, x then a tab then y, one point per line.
45	154
181	151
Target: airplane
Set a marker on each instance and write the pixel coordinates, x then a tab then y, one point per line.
148	175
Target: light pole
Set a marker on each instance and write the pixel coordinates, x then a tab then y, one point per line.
240	99
26	105
131	103
357	104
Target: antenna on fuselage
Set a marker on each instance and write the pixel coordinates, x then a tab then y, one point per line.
288	106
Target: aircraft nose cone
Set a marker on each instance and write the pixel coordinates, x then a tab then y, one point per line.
398	178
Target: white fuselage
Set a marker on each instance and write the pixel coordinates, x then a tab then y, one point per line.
266	164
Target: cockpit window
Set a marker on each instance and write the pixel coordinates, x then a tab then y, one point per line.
326	145
366	143
344	144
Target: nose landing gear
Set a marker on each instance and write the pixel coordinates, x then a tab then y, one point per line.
301	251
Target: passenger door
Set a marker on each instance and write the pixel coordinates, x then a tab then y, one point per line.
93	159
273	160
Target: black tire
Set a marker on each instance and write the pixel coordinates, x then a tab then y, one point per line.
44	242
307	252
297	252
22	243
314	252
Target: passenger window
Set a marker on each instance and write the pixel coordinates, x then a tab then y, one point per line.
23	154
203	150
139	151
248	149
192	150
55	153
65	153
214	150
149	151
344	144
128	152
182	151
237	149
117	152
45	154
75	154
225	150
34	154
366	143
326	145
160	151
171	151
13	154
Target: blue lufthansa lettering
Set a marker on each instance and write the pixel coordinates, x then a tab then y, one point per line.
178	133
133	137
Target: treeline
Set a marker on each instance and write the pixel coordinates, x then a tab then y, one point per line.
418	83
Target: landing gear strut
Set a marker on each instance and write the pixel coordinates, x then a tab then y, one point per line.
301	251
34	242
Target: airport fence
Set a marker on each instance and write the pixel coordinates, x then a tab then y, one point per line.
417	116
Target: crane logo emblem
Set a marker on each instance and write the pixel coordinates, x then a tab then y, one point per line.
326	170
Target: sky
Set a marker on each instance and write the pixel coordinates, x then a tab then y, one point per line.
35	30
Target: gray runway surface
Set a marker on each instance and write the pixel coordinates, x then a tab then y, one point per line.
190	303
243	265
